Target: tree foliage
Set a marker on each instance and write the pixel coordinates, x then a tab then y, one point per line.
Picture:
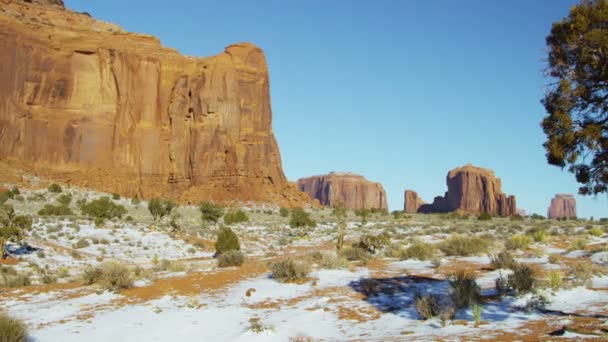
160	207
226	241
577	101
12	226
211	212
102	209
300	219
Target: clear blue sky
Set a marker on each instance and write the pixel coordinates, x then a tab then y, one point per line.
399	91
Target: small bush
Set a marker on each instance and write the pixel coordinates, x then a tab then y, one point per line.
12	329
160	207
356	253
465	289
518	241
463	246
64	199
427	306
420	250
328	261
14	280
115	196
516	217
555	279
230	258
300	219
226	241
103	208
290	270
595	231
579	244
554	258
503	259
82	243
55	188
485	216
55	210
284	212
111	275
501	285
523	279
235	216
582	272
373	243
210	212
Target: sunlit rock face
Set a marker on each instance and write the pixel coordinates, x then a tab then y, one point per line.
562	206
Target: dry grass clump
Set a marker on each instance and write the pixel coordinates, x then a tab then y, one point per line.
9	277
460	245
420	250
427	306
230	258
12	329
111	276
523	279
581	272
504	260
328	260
519	241
290	270
356	253
465	289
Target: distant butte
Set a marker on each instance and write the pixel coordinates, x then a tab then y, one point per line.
352	190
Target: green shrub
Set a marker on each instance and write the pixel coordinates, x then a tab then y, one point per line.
115	196
373	243
160	207
555	279
110	275
516	217
284	212
226	241
427	306
230	258
290	270
582	272
539	235
210	212
12	329
55	210
103	208
64	199
476	312
504	259
363	213
465	289
235	216
595	231
579	244
485	216
14	280
420	250
460	245
300	219
523	279
82	243
518	241
55	188
355	253
5	196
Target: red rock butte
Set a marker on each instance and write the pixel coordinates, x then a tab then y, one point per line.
563	206
471	190
85	103
352	190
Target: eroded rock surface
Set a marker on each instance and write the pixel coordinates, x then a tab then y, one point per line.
354	191
86	103
411	201
562	206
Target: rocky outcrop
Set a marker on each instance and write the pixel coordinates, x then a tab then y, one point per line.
354	191
411	201
562	206
86	103
472	190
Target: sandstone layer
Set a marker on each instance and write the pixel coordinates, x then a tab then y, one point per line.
84	102
354	191
562	206
472	190
411	201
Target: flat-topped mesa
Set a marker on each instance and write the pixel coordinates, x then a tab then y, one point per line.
472	190
352	190
84	102
563	206
411	201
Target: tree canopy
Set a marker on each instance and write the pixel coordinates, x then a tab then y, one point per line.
577	98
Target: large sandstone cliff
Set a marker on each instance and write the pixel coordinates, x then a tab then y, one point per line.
411	201
354	191
86	103
473	190
562	206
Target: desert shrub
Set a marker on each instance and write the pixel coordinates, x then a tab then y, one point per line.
579	244
103	208
159	207
14	280
82	243
516	217
12	329
64	199
363	213
555	279
355	253
110	275
135	201
476	308
537	217
55	188
55	210
582	272
518	241
284	212
115	196
5	196
465	289
290	269
463	245
373	243
210	212
504	259
230	258
427	306
595	231
554	258
300	219
420	250
235	216
226	241
523	279
501	284
485	216
328	260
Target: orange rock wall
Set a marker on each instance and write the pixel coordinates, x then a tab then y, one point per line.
354	191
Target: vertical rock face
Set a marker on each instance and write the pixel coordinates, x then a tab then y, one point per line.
83	102
472	190
411	201
562	206
354	191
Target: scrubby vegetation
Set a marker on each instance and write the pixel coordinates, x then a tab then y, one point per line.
420	250
523	279
230	258
235	216
300	219
12	227
55	210
465	289
461	245
290	269
12	329
111	276
211	212
226	241
160	208
55	188
103	208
